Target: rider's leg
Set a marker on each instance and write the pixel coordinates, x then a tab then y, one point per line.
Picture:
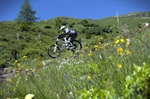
73	37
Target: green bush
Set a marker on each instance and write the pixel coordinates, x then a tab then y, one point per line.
137	85
24	27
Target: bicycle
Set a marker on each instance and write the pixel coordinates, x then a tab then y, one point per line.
55	50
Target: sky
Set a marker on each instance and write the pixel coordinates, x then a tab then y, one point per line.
82	9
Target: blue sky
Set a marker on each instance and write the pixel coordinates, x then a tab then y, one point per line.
93	9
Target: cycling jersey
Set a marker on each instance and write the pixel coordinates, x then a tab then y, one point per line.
69	32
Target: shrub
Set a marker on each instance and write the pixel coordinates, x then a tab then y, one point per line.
24	27
137	85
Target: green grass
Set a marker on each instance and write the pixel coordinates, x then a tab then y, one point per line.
95	73
95	76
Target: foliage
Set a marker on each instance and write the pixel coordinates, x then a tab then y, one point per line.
137	85
111	65
24	27
37	32
84	22
109	70
26	14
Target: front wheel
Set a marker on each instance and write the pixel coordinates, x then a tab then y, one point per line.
53	51
78	46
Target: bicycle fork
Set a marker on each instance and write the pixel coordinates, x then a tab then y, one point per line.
55	47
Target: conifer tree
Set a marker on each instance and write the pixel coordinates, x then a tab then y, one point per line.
26	15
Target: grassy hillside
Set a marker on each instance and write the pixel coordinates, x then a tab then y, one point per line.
137	14
34	42
113	70
113	64
15	43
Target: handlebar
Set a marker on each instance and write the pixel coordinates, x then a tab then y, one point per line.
59	37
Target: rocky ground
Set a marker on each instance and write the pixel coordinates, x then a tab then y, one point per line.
4	74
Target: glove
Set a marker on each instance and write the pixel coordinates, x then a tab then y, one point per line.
60	35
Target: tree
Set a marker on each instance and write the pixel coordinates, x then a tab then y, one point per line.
26	14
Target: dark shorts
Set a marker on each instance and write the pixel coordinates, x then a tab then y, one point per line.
73	37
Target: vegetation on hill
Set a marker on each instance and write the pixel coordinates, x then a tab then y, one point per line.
137	14
116	69
33	41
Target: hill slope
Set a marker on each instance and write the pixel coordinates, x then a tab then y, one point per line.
35	41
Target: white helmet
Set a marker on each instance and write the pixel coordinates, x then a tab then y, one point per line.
63	27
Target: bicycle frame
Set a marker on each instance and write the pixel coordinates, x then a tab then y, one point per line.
63	41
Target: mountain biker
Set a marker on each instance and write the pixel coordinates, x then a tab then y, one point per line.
72	34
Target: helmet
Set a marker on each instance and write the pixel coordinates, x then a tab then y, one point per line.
63	27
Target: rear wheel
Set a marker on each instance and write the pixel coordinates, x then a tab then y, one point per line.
53	51
78	46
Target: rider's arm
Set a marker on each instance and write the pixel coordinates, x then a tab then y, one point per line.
62	34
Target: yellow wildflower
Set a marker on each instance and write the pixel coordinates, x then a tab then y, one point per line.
17	71
119	50
28	73
16	61
117	41
90	54
119	66
29	96
9	80
18	64
127	51
122	40
95	47
101	38
25	57
128	41
88	77
26	79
